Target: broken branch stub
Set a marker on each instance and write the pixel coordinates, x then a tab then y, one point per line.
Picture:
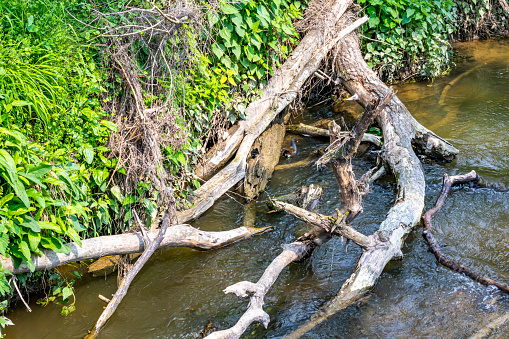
282	89
448	183
307	197
400	131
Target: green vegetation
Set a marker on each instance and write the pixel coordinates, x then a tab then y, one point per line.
411	39
57	179
63	169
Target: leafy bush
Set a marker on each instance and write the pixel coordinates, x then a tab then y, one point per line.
408	38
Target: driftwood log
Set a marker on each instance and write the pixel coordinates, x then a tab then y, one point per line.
448	183
283	82
175	236
402	133
323	226
279	92
307	197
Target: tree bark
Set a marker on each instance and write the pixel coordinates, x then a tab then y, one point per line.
176	236
301	64
260	167
401	132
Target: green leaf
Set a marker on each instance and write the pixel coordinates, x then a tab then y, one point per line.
54	244
71	232
30	223
236	51
225	33
76	224
110	125
88	152
6	199
115	190
212	17
4	242
218	51
32	193
373	22
7	162
66	292
34	239
254	26
129	199
25	250
229	9
99	176
50	226
21	103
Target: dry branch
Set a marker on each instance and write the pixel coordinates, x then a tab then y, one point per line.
322	132
448	182
329	224
281	90
151	246
256	292
308	198
400	131
176	236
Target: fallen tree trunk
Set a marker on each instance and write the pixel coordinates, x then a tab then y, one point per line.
401	131
217	156
176	236
307	197
324	226
448	183
292	76
321	132
282	81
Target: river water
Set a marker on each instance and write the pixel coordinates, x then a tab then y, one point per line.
180	290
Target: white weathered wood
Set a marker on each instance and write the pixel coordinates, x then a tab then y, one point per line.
257	292
176	236
281	90
322	132
307	197
400	130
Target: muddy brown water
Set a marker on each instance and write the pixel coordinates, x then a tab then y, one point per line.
180	290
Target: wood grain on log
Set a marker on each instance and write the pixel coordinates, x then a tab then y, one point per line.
176	236
260	168
280	91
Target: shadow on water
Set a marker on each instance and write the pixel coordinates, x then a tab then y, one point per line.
180	290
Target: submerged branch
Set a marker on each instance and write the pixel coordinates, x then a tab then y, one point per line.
307	197
450	181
